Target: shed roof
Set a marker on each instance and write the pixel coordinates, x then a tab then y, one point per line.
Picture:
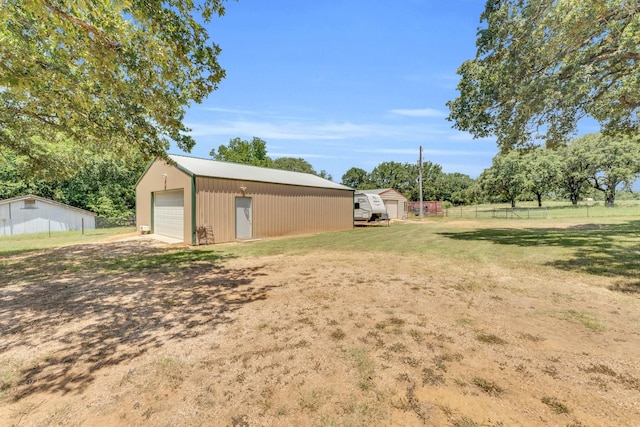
381	191
217	169
42	199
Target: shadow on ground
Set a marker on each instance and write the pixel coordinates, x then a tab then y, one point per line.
98	305
611	250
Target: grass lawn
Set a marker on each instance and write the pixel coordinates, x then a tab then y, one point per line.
29	242
549	210
453	322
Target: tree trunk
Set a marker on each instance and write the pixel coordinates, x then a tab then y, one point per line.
574	199
610	198
539	195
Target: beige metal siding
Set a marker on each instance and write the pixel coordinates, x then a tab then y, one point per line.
394	196
158	178
392	208
278	209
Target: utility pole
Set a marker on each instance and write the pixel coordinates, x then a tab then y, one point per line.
420	169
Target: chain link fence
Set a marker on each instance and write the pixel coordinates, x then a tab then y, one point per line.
496	212
115	222
596	210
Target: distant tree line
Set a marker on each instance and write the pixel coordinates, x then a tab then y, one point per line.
404	177
103	185
593	165
254	153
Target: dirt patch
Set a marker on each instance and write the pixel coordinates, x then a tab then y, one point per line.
139	333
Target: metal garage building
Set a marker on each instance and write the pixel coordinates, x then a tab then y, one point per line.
200	201
395	202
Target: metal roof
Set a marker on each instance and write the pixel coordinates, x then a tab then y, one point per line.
227	170
374	191
49	201
382	191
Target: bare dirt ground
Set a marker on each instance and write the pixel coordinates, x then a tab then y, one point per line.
104	334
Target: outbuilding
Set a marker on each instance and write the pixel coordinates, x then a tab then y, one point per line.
34	214
201	201
394	201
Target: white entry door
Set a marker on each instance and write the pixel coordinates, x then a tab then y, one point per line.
244	218
168	214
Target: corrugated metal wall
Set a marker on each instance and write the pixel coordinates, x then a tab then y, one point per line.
278	209
41	217
153	181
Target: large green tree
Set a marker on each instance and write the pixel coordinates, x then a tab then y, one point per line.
542	65
355	178
252	152
614	161
104	185
404	177
90	77
294	164
541	168
454	188
400	176
506	178
15	179
574	171
431	176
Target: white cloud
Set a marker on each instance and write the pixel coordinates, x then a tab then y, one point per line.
304	130
230	110
246	128
426	152
419	112
302	155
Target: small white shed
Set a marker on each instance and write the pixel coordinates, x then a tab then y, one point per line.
33	214
394	201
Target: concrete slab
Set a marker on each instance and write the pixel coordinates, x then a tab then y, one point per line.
164	239
157	237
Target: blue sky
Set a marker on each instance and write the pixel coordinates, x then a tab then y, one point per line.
343	83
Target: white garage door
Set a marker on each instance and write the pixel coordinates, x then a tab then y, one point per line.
392	209
168	214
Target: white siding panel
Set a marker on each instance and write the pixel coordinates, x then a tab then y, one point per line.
168	214
41	217
392	208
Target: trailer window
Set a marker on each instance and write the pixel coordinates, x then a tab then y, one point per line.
356	205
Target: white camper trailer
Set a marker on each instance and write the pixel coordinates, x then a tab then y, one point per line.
368	208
